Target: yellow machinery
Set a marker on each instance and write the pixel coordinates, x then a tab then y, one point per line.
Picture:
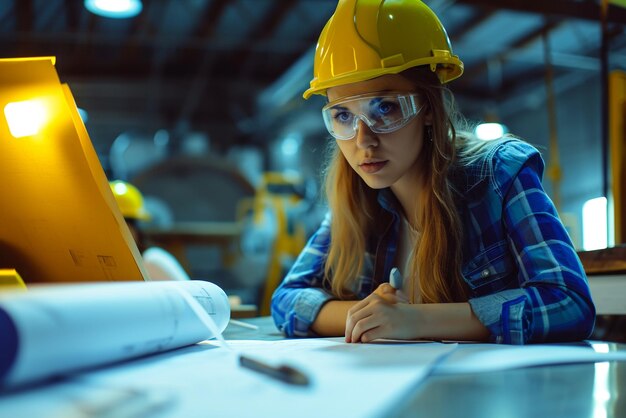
617	109
278	195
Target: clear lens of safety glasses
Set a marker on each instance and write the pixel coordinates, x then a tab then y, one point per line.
382	113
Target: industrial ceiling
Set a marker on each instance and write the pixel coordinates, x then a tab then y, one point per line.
218	65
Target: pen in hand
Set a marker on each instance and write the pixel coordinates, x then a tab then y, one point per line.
395	280
283	373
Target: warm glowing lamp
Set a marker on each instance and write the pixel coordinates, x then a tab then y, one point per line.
25	118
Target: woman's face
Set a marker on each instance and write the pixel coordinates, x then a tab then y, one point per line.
384	159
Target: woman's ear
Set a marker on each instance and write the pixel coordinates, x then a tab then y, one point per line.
427	113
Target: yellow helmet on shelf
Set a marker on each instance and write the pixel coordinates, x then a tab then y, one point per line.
365	39
130	200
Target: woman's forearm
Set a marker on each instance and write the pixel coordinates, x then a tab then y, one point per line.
331	321
440	321
450	321
377	316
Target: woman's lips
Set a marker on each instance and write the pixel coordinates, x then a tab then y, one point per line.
372	167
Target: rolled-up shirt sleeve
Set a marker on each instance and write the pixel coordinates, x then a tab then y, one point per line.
299	298
553	302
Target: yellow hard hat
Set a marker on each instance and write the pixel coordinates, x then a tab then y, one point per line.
130	200
365	39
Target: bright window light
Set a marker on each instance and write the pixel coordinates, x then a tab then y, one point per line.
595	224
490	131
83	115
25	118
117	9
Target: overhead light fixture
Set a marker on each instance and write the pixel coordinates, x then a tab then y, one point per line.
490	131
117	9
490	128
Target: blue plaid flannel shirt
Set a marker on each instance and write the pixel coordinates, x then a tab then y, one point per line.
525	279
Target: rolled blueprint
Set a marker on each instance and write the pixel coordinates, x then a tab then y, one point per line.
57	329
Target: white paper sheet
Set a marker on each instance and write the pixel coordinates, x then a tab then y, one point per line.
347	380
477	358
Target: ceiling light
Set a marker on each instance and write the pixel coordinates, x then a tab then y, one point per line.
118	9
490	131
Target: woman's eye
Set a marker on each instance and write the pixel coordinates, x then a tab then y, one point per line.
343	117
385	108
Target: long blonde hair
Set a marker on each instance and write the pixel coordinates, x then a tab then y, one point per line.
436	260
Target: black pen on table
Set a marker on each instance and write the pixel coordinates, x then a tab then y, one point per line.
283	373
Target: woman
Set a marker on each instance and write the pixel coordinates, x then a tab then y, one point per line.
483	253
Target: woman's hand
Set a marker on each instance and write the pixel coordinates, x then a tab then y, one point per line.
389	293
383	314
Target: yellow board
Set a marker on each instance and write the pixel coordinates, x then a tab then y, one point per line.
10	280
58	221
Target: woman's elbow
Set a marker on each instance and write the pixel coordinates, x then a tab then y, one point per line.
586	320
578	322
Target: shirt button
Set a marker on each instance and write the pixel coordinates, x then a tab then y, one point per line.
485	273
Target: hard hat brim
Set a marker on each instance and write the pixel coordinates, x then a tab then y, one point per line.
447	70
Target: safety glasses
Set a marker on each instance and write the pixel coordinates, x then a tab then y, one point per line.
383	113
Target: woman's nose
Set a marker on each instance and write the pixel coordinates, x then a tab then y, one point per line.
364	136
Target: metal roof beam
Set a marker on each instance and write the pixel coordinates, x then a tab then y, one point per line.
24	22
210	19
585	10
481	16
72	13
24	14
520	43
267	27
273	18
